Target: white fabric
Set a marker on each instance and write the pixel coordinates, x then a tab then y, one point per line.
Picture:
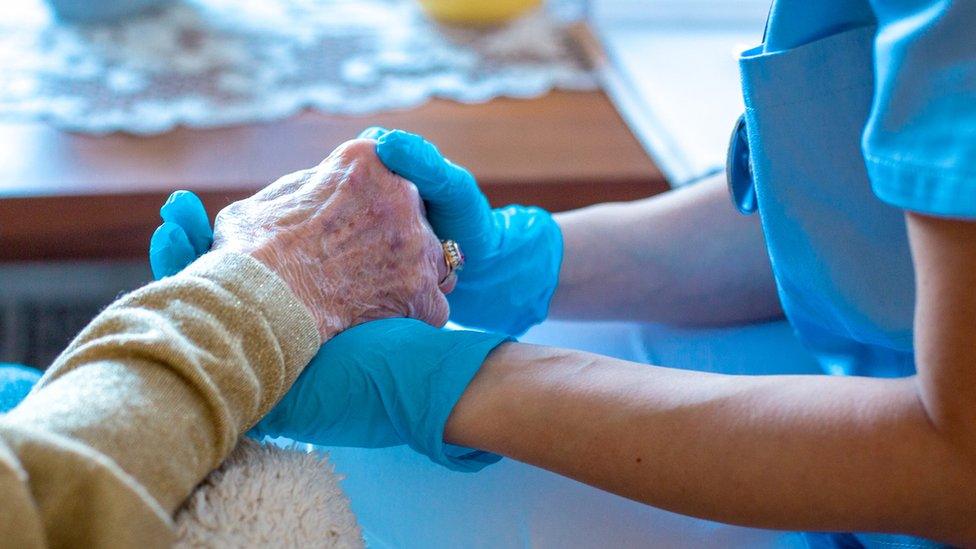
267	496
402	500
205	63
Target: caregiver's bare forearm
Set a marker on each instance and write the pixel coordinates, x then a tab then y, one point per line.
683	257
792	452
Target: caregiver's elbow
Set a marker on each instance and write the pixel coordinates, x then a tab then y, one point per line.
948	465
951	414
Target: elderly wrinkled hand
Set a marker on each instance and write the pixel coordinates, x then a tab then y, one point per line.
514	253
348	237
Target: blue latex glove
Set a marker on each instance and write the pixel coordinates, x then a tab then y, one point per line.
383	383
15	382
513	254
184	235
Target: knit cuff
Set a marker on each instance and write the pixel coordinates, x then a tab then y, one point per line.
260	287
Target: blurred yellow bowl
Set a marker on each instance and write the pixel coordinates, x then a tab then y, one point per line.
477	12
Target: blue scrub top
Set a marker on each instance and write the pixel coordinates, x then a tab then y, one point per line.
855	112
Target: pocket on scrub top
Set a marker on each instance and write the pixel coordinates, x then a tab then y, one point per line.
840	255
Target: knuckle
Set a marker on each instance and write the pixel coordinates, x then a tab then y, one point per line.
411	191
357	149
360	169
405	195
397	211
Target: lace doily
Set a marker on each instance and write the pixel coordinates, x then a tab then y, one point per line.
205	63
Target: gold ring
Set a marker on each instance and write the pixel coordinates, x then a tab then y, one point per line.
453	256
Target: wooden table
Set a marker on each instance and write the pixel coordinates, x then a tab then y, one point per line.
67	196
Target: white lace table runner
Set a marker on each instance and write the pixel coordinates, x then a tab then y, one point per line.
206	63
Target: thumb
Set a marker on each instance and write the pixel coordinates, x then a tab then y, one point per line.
184	209
170	250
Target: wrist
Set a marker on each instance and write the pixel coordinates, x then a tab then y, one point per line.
328	322
510	289
478	418
543	249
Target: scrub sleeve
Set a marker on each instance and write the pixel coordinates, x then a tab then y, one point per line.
920	142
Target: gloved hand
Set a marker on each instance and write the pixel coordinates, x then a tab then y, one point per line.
383	383
15	382
513	254
184	235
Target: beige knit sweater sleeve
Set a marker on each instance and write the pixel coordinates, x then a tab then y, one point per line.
145	402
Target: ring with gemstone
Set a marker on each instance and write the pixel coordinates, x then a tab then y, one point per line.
453	256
